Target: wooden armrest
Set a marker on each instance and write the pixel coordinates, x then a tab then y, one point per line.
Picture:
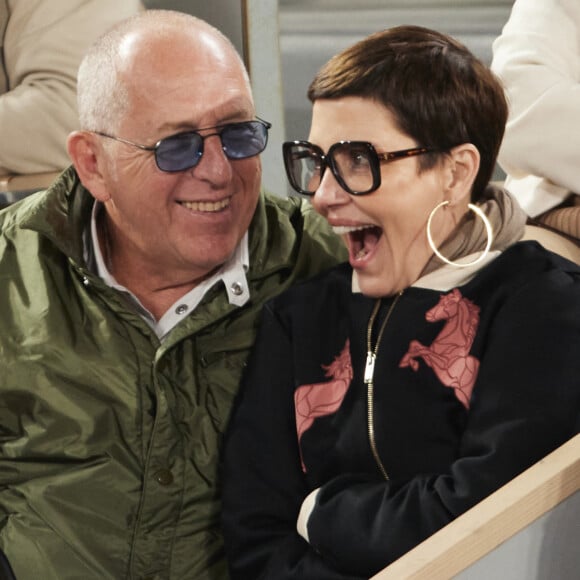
494	520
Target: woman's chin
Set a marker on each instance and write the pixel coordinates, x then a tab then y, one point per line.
374	286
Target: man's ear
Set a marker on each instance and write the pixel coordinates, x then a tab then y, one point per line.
462	171
87	155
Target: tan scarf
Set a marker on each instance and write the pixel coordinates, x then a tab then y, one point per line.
507	220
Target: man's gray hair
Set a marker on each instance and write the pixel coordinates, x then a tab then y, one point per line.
102	94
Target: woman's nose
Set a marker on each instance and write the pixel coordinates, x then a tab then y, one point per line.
329	193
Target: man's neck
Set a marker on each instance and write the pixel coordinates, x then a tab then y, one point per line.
151	286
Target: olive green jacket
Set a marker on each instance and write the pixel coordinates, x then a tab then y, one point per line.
109	439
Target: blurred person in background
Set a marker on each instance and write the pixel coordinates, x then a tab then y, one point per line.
537	57
42	43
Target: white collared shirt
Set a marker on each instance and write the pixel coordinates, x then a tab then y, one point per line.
232	274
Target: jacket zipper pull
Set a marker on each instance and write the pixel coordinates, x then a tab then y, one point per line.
369	367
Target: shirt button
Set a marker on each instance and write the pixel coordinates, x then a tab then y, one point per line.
181	309
164	477
237	288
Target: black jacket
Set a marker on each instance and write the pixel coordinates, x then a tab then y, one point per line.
472	386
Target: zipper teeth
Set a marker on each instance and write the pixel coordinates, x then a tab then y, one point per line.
370	380
371	428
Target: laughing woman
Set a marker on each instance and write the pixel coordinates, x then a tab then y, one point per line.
391	394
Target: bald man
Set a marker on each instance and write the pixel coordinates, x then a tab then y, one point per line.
131	291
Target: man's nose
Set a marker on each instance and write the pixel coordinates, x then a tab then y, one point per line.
214	165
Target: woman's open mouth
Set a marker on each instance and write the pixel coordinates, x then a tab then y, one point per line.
360	240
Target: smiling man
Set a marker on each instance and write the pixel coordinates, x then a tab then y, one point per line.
131	291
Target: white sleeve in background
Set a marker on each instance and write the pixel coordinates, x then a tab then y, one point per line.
537	57
44	43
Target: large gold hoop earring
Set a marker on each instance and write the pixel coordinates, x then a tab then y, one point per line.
488	231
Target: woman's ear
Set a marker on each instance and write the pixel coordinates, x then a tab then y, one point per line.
88	158
463	168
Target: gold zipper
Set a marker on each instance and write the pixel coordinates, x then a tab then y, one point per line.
369	376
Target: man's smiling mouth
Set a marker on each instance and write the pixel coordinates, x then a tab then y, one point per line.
206	206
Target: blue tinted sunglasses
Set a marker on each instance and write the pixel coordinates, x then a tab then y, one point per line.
184	150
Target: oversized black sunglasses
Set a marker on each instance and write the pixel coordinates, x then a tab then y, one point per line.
354	164
184	150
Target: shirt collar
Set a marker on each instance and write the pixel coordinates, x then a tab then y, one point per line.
232	274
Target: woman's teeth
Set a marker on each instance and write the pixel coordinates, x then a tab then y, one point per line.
342	230
361	239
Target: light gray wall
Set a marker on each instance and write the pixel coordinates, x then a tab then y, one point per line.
223	14
546	550
311	31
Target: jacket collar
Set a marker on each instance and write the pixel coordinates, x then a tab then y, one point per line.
61	213
272	241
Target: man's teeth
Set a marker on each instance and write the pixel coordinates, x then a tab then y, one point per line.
342	230
206	206
361	254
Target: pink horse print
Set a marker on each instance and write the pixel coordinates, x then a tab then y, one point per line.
320	399
448	354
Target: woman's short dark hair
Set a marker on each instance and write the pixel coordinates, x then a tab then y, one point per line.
440	94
